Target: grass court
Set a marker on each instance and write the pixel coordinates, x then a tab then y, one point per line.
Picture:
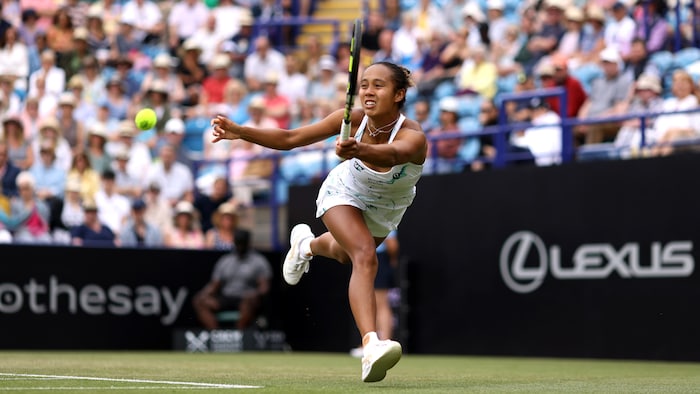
295	372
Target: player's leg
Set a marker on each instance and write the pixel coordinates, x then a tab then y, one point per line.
349	232
385	318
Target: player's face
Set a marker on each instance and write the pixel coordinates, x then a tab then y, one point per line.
377	91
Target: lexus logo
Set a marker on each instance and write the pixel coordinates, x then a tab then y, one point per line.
514	254
526	260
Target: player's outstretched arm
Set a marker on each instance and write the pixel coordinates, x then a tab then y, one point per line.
275	138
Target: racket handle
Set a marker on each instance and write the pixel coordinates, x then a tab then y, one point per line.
344	131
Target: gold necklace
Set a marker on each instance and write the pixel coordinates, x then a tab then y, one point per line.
387	128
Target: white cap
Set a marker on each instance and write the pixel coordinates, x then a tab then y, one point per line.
449	104
472	9
174	125
611	55
327	62
495	5
163	60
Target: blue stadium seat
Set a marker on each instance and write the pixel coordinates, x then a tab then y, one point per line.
444	89
469	106
663	61
586	74
685	57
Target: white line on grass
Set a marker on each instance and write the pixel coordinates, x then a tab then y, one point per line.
96	388
166	382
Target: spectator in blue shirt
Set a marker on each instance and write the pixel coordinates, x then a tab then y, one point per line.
92	232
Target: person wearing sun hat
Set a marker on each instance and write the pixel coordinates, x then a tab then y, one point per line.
185	233
646	98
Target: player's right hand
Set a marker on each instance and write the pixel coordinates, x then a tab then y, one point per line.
224	129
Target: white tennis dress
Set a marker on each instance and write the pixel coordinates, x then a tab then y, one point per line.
382	196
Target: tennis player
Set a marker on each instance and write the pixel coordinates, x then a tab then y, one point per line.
363	198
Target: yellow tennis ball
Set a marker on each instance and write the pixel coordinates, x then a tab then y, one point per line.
146	119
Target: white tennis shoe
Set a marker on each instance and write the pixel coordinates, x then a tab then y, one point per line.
379	357
294	264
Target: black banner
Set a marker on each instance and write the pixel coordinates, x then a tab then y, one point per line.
587	260
95	298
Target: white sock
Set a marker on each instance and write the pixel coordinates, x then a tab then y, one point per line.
369	338
305	249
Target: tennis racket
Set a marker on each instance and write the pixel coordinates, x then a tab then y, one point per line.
352	81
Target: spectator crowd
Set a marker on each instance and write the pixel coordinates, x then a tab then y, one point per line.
74	169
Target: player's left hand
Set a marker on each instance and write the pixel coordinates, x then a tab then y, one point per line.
346	149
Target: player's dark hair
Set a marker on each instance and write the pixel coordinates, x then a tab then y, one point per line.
401	76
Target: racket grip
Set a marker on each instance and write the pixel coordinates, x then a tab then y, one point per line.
344	131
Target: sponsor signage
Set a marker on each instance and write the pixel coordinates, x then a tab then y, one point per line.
589	261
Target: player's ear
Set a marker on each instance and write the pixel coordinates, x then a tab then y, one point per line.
399	95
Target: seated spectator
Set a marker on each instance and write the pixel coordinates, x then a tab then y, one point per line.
651	25
72	214
570	43
54	78
30	118
386	49
190	70
18	149
246	175
543	142
94	86
239	46
277	106
163	71
139	154
71	129
96	150
478	75
671	127
620	29
607	98
646	98
126	184
49	135
185	232
240	281
443	154
555	73
225	223
175	179
264	61
592	39
92	232
113	207
98	39
127	39
638	61
59	37
147	19
50	180
209	38
15	56
431	70
547	37
8	172
488	118
213	85
208	203
185	20
84	110
158	210
116	99
82	173
323	88
109	12
29	214
173	133
294	84
158	99
128	74
138	232
422	114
